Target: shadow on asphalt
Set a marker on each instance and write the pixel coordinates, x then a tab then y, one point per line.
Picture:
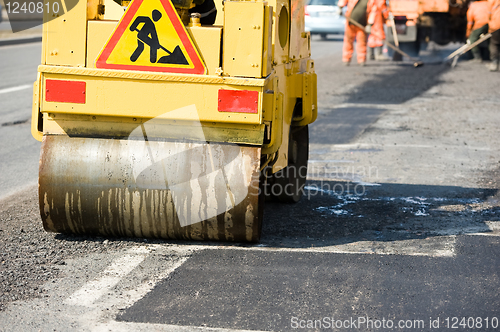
342	125
339	212
398	86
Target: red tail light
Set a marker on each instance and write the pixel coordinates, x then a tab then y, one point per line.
65	91
238	101
305	11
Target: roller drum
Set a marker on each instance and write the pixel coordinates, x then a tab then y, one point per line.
152	189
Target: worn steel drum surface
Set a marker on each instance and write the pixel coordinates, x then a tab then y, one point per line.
143	188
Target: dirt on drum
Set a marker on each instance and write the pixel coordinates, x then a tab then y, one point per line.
141	188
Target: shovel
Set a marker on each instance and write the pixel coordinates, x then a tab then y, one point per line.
176	57
464	49
396	56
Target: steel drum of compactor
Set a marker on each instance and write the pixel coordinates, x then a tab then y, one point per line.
154	189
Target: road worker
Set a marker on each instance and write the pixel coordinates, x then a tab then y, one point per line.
377	34
146	35
493	28
362	12
477	24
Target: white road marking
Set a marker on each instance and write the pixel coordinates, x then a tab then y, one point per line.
139	327
432	246
438	246
489	228
364	146
393	107
314	161
94	289
16	88
96	319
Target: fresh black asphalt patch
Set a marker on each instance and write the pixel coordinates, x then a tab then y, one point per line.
259	290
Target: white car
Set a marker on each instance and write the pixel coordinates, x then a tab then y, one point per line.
322	18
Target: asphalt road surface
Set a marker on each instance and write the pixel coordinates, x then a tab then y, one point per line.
19	151
398	230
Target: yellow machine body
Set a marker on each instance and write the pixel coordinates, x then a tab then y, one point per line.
205	138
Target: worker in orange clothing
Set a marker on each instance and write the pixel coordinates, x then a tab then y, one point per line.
477	24
377	34
493	28
363	12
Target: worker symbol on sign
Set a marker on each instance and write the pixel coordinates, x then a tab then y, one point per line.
147	35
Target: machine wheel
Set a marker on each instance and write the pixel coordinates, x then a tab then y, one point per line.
288	183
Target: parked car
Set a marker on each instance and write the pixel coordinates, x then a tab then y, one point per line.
322	18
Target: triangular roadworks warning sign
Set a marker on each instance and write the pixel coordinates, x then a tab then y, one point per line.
151	37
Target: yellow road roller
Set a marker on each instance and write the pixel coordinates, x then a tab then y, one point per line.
157	123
